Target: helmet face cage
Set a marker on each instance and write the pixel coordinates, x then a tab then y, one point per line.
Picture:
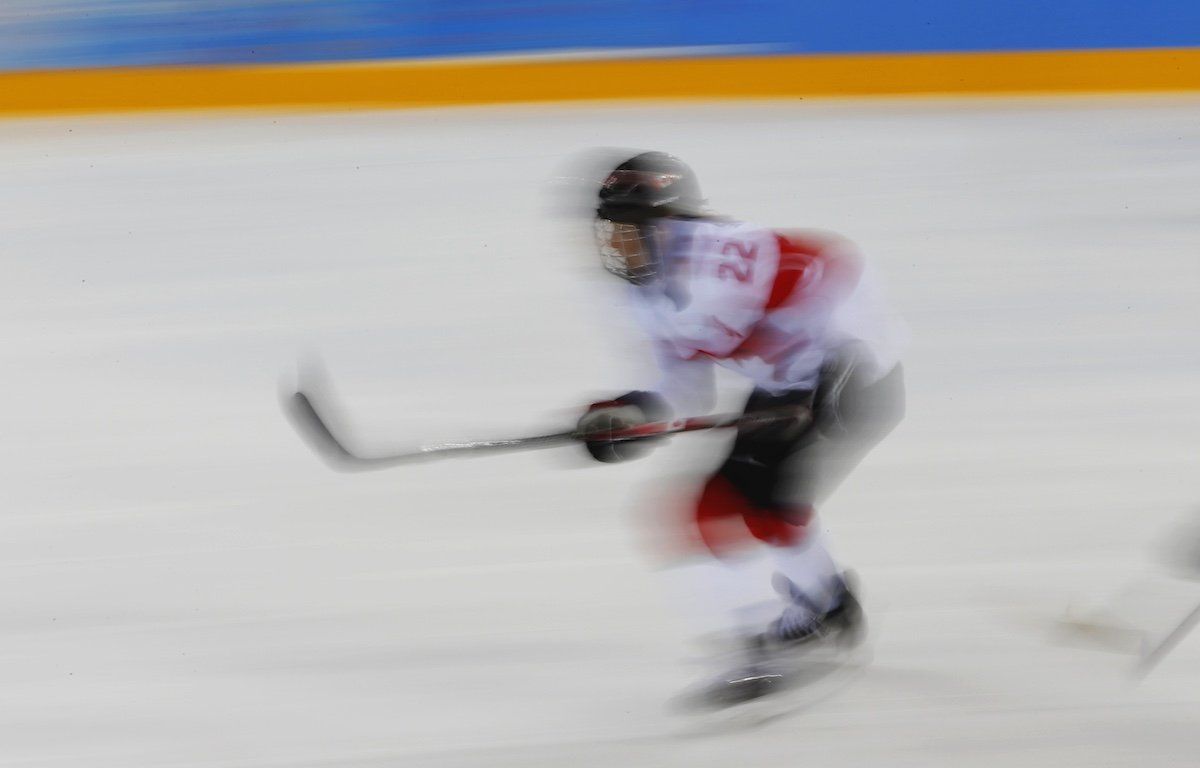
627	250
638	193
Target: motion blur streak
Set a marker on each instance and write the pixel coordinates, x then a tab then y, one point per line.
187	585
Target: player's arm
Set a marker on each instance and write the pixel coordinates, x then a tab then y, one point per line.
686	384
814	266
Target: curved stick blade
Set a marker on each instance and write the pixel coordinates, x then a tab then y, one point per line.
316	432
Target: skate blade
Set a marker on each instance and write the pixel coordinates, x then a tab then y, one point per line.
736	701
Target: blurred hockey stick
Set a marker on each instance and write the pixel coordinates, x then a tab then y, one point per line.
316	423
1181	554
1149	616
1151	656
1133	621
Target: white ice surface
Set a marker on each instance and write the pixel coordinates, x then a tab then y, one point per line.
185	585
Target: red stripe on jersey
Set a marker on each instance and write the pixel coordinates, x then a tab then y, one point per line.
795	256
801	253
812	266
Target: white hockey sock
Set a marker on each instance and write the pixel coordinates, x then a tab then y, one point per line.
725	596
810	567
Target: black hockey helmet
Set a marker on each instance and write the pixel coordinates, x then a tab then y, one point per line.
646	187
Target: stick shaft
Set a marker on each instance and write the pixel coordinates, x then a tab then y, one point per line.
1153	656
310	422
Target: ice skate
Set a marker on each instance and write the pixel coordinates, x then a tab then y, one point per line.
801	647
803	623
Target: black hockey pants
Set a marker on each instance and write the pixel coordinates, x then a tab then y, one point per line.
787	465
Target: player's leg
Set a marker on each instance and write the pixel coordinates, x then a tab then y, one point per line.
748	501
784	473
744	500
754	498
863	411
855	409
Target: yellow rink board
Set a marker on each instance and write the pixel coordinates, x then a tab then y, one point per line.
449	82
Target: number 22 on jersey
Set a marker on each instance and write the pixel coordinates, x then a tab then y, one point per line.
739	261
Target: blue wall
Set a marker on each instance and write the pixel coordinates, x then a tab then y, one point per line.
36	34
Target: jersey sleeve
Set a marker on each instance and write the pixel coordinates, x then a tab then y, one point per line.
826	276
814	268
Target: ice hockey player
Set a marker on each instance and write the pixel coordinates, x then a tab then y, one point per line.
799	314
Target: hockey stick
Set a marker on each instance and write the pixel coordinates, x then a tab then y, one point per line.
1151	656
1181	554
315	427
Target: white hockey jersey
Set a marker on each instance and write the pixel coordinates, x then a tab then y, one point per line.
767	304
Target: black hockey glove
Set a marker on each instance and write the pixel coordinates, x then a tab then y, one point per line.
629	410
